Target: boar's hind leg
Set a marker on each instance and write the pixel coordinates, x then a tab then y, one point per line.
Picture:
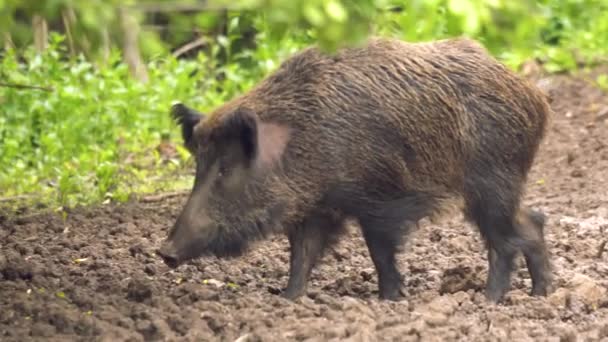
307	243
531	223
493	204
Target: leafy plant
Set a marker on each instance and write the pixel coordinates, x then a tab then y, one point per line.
89	132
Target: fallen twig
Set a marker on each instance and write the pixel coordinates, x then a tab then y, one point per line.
161	197
601	248
15	198
159	6
190	46
25	86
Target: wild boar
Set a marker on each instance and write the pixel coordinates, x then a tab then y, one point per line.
385	133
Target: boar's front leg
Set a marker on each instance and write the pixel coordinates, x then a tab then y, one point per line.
383	244
307	242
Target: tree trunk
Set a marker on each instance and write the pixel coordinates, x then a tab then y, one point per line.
8	42
106	44
69	18
41	33
131	54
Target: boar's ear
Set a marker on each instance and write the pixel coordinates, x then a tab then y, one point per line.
242	126
263	143
187	118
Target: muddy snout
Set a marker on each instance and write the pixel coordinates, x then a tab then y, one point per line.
168	253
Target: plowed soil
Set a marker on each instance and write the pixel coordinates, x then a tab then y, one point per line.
92	274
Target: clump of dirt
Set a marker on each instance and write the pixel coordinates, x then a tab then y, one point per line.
94	274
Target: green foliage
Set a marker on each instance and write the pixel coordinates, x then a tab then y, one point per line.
94	136
73	141
331	23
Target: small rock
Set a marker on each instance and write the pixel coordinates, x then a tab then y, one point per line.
138	290
461	243
150	269
15	267
544	311
145	327
460	278
499	334
587	290
518	296
461	297
592	335
243	338
213	282
577	173
43	329
559	297
367	274
435	236
136	249
602	115
566	332
570	158
437	311
327	300
519	335
443	304
274	290
306	302
335	331
498	318
3	262
350	303
414	327
435	319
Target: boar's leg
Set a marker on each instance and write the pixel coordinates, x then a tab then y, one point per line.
383	244
493	205
307	243
384	224
494	220
531	225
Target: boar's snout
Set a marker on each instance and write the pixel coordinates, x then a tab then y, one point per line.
168	253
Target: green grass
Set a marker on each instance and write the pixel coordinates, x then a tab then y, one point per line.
92	134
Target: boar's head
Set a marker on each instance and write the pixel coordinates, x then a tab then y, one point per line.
231	202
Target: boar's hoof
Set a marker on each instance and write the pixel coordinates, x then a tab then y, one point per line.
542	290
291	295
394	295
494	295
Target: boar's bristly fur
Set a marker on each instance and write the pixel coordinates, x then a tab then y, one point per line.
385	133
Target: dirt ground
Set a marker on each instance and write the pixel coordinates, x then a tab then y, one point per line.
93	275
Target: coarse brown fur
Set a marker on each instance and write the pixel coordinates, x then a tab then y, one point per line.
387	133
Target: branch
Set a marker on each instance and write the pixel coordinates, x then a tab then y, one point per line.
15	198
162	6
161	197
25	86
190	46
601	248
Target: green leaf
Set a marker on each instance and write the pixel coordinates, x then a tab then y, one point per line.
336	11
